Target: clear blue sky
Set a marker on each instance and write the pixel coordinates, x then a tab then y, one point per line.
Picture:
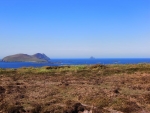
75	28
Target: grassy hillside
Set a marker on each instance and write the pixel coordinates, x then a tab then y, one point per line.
74	89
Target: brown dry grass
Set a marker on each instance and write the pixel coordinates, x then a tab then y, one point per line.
76	89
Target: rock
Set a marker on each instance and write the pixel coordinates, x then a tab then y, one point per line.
92	57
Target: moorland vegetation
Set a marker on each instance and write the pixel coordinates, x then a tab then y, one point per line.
76	89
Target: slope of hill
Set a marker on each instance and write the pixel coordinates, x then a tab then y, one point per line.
41	56
26	58
76	89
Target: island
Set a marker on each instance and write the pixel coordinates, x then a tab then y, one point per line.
38	57
92	57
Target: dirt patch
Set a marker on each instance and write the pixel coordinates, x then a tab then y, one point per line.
2	90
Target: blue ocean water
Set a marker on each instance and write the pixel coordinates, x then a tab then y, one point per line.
59	62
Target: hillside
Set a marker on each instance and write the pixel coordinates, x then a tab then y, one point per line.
41	56
74	89
26	58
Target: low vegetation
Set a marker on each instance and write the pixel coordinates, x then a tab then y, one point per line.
76	89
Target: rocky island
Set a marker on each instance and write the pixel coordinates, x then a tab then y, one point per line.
38	57
92	57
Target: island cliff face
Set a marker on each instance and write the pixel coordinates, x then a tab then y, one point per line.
38	57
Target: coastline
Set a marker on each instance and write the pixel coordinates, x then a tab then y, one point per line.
62	62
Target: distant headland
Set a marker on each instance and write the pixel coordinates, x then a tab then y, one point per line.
38	57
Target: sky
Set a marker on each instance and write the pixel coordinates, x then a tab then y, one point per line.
75	28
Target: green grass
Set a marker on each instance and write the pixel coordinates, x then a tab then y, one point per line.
108	70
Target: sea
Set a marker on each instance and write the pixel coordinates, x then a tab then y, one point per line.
62	62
